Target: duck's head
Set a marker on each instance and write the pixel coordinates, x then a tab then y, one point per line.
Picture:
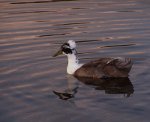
67	48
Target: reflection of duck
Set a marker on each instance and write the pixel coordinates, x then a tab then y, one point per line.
110	85
103	67
63	95
70	91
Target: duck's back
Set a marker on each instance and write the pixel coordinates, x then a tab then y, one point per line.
105	67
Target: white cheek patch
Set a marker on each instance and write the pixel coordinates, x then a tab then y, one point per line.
72	44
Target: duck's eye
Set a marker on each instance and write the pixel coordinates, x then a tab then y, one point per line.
65	45
67	50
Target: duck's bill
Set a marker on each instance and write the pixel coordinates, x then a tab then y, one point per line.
58	53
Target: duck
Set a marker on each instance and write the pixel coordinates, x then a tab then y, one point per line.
106	67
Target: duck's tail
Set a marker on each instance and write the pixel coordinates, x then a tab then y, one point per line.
124	63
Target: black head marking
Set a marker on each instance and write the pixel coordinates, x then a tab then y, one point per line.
66	48
66	44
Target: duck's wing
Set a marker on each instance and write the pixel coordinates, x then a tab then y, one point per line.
118	67
121	63
93	69
106	67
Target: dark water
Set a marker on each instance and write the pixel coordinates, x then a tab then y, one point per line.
33	84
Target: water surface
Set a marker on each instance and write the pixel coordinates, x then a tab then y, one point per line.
34	87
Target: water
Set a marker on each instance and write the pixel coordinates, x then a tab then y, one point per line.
34	87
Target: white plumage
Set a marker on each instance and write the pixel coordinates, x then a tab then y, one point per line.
72	44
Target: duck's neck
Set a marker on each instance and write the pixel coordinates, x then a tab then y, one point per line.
73	63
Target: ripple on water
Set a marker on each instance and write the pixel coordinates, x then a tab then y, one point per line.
31	32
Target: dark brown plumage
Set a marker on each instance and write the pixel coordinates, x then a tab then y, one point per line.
105	67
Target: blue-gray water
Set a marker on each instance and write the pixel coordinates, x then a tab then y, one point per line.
31	31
